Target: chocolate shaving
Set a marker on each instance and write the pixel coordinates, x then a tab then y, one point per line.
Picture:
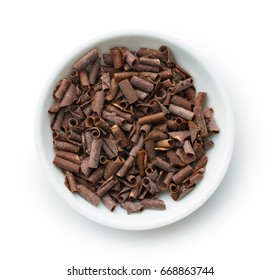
126	131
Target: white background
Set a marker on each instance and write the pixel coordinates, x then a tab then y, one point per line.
236	231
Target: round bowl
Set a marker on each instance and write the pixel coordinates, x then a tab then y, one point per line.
218	157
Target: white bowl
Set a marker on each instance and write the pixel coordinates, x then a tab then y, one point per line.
218	157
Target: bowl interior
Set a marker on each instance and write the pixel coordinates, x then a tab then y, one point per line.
219	156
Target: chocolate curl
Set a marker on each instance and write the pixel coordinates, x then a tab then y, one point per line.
113	145
77	113
158	117
54	108
160	106
81	181
135	191
188	148
185	157
193	130
98	102
73	137
141	161
84	81
113	117
168	85
149	185
174	158
174	188
93	73
124	75
88	141
182	175
200	100
160	95
87	194
66	164
167	180
107	59
99	122
96	133
144	192
131	179
142	84
150	76
96	175
148	52
69	97
108	151
197	147
159	180
207	145
74	77
59	135
194	178
181	193
112	167
132	207
167	56
85	60
200	163
65	121
106	186
114	91
121	114
86	170
161	127
61	89
163	165
126	166
118	134
109	202
181	112
87	108
190	94
65	146
171	124
71	182
69	156
156	135
106	82
150	148
212	125
128	91
182	102
166	74
181	72
130	58
167	99
141	94
179	135
144	130
95	152
117	57
200	121
151	173
164	145
134	133
123	194
146	68
150	61
153	203
180	86
57	120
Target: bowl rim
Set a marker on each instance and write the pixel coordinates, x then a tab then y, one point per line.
128	33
